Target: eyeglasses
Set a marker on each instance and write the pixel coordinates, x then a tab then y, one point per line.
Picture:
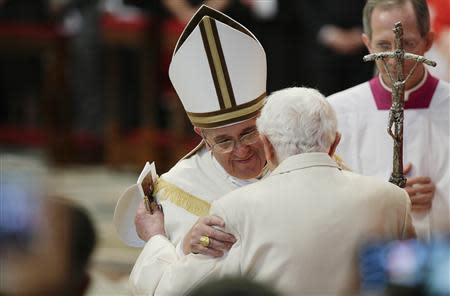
227	146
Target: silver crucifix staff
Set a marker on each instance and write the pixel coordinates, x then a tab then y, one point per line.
395	125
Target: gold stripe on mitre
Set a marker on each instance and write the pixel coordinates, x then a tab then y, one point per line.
227	116
217	62
181	198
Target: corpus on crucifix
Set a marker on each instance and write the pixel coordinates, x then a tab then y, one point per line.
395	123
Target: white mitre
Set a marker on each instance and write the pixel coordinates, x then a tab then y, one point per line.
218	70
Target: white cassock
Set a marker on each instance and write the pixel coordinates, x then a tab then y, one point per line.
367	148
185	193
299	230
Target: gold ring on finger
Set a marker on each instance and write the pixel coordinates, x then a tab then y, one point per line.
205	241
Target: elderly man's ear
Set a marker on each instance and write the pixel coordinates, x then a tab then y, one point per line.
333	146
270	153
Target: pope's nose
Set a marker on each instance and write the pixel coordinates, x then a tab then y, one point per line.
241	150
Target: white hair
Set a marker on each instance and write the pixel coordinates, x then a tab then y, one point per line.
298	120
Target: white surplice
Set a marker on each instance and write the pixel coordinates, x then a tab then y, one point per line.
367	148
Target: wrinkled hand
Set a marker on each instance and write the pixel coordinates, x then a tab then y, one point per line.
149	225
219	241
420	190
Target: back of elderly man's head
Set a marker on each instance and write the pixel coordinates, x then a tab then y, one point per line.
298	120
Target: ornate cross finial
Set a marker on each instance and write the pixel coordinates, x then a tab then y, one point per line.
395	125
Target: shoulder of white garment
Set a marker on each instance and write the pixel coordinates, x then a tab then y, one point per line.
347	100
199	165
196	174
441	97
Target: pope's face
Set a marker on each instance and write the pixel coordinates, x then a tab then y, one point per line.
383	39
243	161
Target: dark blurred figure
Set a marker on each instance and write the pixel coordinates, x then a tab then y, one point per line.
20	77
71	25
24	10
236	286
45	244
274	24
80	22
332	49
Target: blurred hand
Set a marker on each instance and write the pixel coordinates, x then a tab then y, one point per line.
149	225
420	190
55	8
343	41
220	241
185	15
180	9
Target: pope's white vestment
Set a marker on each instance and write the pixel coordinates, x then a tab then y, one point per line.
299	230
185	193
367	148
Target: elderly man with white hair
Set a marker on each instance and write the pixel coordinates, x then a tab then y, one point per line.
300	228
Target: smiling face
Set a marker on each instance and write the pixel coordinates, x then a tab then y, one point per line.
244	161
383	39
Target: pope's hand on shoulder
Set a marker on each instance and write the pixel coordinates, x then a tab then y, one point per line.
420	190
149	224
218	242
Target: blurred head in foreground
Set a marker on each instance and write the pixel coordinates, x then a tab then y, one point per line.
45	245
232	286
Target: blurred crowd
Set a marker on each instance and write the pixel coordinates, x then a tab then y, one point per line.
102	89
96	92
101	74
